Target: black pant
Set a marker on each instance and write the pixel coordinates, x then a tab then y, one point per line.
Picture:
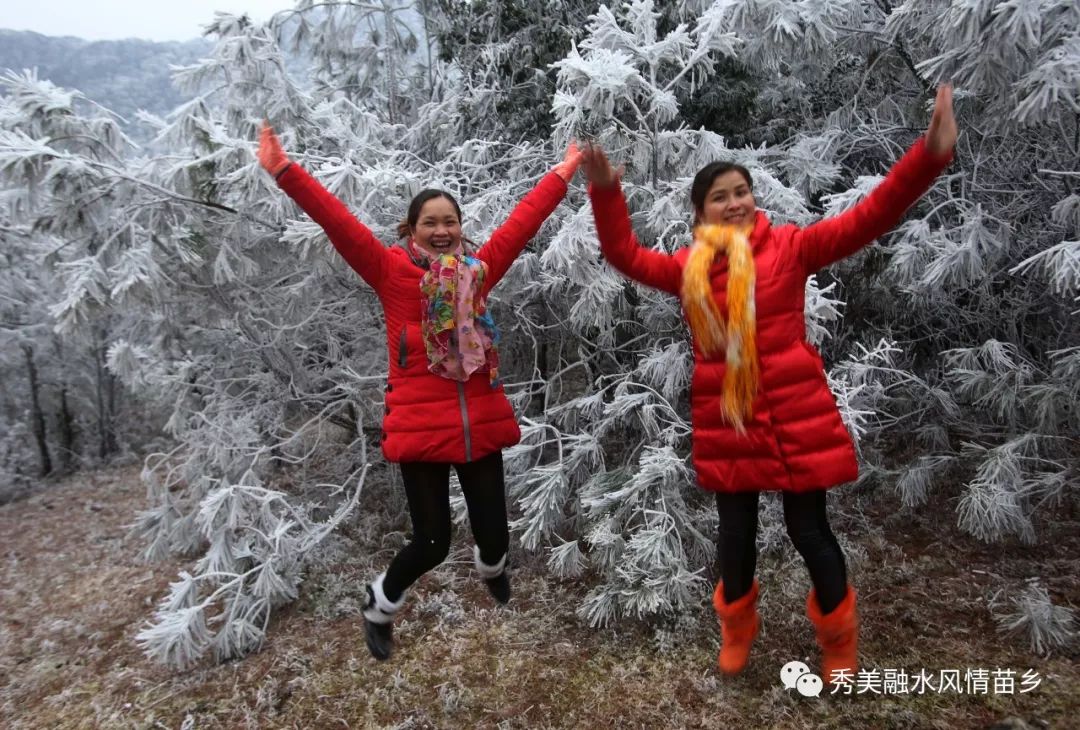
427	487
808	528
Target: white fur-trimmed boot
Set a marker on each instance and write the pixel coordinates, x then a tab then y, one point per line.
494	576
379	615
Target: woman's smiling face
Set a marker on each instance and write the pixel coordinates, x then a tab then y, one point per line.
438	228
729	201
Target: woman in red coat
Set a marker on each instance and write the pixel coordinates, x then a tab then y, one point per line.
762	412
445	405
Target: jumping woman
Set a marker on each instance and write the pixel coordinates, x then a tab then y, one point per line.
762	413
445	406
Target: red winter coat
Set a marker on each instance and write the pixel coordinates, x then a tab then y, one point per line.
428	417
795	439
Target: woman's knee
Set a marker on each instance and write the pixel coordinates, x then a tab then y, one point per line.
738	529
813	540
432	549
808	524
741	537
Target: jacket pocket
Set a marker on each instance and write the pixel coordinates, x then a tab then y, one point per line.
402	352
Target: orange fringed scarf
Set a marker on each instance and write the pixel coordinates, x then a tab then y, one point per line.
738	334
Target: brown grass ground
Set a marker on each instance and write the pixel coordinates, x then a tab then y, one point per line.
74	594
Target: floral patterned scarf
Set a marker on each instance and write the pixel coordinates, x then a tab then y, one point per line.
459	335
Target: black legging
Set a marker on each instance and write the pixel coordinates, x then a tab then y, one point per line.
807	526
427	486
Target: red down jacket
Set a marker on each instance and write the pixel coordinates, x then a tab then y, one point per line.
795	439
428	417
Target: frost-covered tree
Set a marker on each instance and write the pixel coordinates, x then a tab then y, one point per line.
172	269
63	168
269	399
1004	243
25	448
503	52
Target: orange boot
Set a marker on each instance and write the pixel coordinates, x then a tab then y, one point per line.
738	626
837	635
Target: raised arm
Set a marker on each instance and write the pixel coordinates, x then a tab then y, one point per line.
617	240
509	239
832	239
352	239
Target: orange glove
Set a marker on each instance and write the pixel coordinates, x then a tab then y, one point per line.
271	156
569	165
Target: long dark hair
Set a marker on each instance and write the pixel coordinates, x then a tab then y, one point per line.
405	227
705	177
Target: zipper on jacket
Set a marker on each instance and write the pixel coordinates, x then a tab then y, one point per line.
402	353
465	420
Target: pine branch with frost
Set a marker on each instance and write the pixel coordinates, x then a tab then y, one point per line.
667	369
772	537
819	310
917	479
1032	614
85	293
521	457
567	560
1051	85
861	385
1066	212
1066	370
993	377
576	414
809	163
651	576
573	244
855	419
994	504
542	504
584	456
595	305
603	77
604	536
1060	264
244	631
837	203
629	71
178	637
259	545
635	538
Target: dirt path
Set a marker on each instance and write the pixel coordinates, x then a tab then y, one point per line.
73	595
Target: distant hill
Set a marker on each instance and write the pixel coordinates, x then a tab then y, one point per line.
123	76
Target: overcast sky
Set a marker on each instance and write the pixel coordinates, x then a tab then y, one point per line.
156	20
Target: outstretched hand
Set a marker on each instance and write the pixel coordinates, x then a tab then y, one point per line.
598	168
570	162
941	135
271	155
